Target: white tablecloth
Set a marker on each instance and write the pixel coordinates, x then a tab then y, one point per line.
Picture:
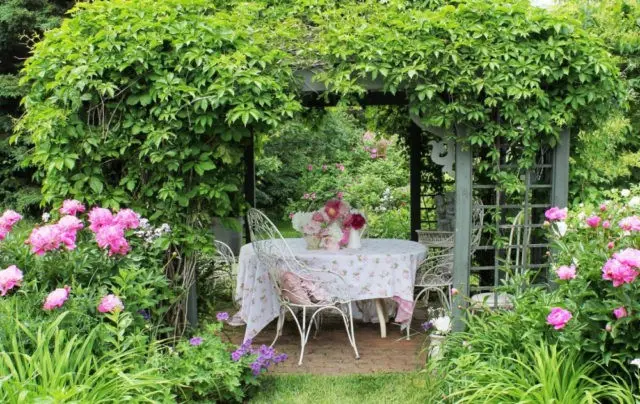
382	268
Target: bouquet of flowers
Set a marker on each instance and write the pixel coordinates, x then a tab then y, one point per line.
329	227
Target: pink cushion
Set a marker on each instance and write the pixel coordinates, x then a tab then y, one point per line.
292	289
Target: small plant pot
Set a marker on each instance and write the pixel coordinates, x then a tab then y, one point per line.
435	342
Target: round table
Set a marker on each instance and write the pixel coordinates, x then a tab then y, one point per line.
382	268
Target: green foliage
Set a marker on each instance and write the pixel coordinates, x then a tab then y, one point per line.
542	374
207	372
158	115
53	365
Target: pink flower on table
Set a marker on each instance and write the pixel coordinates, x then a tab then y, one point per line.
345	238
310	167
620	312
318	217
112	238
629	256
593	221
566	272
100	217
559	317
355	220
332	208
631	223
110	304
45	238
555	213
606	224
10	278
128	219
619	273
71	207
56	298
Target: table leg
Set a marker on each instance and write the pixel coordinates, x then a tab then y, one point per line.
382	317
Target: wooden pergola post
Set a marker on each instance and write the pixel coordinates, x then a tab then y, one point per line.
560	182
462	237
415	168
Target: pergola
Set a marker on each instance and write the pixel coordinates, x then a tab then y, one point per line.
459	158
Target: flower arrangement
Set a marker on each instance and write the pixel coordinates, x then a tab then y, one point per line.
329	227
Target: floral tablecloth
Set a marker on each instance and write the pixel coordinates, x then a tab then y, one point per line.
382	268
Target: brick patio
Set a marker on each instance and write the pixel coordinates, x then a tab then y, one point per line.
331	354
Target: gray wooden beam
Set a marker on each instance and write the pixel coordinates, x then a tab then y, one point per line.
462	238
415	163
560	187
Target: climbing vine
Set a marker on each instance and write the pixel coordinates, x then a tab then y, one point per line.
150	104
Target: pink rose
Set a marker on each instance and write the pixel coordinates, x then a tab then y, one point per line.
619	273
620	312
71	207
9	278
110	304
56	298
559	317
606	224
128	219
631	223
593	221
566	272
556	213
100	217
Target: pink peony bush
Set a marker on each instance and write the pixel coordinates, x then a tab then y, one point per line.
9	279
598	263
56	298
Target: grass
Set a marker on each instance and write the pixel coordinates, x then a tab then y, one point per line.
388	388
286	229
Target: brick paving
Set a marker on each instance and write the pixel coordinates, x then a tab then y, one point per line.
331	354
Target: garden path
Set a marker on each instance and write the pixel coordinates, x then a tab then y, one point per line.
331	354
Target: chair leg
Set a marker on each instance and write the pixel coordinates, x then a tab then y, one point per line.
279	325
303	334
348	323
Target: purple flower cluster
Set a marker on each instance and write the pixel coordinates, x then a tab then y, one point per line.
426	326
266	356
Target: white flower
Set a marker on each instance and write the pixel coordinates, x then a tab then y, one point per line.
46	217
300	219
442	324
635	201
560	228
636	362
625	193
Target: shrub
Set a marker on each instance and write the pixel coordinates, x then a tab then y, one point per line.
205	369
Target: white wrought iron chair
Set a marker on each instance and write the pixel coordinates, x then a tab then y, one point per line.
318	291
225	265
435	273
519	234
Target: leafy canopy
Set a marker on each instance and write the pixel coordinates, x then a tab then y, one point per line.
150	104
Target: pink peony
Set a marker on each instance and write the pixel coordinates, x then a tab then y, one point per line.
56	298
619	273
356	220
606	224
368	136
100	217
9	278
610	245
566	272
593	221
70	224
310	167
631	223
9	218
559	317
620	312
110	304
318	217
556	213
128	219
332	208
603	207
45	238
3	232
629	256
71	207
112	237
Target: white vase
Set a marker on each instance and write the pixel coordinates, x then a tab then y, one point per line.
354	239
435	342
